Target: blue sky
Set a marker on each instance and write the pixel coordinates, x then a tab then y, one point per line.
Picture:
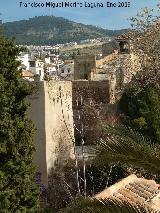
109	18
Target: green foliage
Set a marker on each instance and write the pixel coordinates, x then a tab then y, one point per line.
89	205
18	191
62	187
142	111
102	176
50	30
130	148
96	177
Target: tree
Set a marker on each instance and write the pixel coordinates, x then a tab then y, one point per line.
62	187
131	149
145	39
140	100
18	190
142	111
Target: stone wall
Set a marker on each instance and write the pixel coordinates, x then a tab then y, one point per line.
37	115
109	47
119	72
61	110
106	59
84	66
99	77
90	99
98	91
59	122
51	112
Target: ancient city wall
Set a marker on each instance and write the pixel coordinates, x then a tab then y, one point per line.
83	66
89	106
58	122
55	110
37	115
51	112
106	59
98	91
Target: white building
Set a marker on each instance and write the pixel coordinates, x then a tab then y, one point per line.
54	55
50	69
37	68
24	59
47	59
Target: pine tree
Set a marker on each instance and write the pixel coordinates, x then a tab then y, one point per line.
18	191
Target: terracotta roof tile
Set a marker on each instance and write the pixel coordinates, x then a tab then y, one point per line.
137	191
27	74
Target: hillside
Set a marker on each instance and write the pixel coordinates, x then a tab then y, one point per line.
50	30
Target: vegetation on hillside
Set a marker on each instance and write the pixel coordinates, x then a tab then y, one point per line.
50	30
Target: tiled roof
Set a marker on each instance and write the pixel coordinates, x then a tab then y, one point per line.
27	74
137	191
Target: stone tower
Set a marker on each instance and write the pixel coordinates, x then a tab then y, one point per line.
51	112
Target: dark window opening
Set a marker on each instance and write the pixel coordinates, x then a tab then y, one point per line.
86	76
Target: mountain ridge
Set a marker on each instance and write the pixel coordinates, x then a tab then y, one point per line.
51	30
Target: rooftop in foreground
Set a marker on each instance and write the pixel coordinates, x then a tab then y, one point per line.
136	191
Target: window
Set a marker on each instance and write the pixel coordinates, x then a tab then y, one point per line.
86	76
62	71
39	72
32	63
69	70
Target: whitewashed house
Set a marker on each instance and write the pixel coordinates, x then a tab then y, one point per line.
54	55
37	67
47	59
50	69
24	59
